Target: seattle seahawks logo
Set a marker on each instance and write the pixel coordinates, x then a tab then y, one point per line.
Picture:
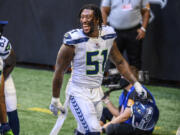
162	3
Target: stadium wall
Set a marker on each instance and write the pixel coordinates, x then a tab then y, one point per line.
36	29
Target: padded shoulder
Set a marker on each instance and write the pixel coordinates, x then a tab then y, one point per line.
74	37
108	32
5	47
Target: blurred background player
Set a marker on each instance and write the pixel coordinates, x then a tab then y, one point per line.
129	18
134	116
88	49
4	126
9	59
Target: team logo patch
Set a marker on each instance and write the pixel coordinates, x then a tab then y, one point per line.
130	102
67	36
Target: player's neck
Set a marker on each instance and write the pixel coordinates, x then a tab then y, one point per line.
95	33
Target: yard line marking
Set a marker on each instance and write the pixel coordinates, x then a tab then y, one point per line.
157	128
37	109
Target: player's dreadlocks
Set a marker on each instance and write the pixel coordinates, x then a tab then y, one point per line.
97	12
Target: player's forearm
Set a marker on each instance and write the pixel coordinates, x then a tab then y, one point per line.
3	114
124	69
57	83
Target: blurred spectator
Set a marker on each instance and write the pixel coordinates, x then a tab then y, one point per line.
129	19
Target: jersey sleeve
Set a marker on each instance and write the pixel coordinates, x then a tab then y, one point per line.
74	37
5	48
108	32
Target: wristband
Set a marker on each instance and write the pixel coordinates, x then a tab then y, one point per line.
143	29
54	100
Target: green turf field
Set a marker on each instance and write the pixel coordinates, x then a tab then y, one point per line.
34	96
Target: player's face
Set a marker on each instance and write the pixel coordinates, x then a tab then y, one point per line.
89	23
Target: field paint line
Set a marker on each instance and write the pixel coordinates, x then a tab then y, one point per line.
157	128
47	111
37	109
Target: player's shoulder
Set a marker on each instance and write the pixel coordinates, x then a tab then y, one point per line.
108	32
74	36
5	47
3	41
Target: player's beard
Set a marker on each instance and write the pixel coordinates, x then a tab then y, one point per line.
90	30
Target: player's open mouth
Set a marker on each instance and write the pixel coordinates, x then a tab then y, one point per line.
86	28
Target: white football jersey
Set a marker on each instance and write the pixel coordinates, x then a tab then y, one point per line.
5	47
90	57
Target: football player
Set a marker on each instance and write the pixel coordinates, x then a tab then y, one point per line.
8	56
87	49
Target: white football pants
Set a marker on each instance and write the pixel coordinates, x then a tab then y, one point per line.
86	106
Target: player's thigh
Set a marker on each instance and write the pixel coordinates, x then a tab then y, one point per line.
10	95
85	113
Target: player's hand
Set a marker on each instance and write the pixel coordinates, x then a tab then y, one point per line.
56	106
142	93
5	129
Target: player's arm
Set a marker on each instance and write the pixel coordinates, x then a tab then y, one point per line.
121	64
105	13
64	58
3	114
10	63
123	67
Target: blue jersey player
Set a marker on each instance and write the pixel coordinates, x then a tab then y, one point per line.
87	49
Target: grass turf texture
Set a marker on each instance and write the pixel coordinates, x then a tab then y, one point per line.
34	96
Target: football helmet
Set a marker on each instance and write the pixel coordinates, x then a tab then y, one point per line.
144	116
